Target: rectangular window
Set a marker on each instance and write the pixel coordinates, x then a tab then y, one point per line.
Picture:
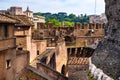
6	31
8	64
82	27
97	26
90	26
37	52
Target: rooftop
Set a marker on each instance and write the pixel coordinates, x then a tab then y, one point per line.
23	20
6	19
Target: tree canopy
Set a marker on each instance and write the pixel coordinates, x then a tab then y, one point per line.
55	22
62	18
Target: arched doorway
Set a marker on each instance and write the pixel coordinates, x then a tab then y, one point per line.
63	70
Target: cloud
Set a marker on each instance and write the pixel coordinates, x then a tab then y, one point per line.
54	6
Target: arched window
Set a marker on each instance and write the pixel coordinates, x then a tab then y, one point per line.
63	70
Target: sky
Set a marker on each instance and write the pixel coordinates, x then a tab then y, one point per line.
54	6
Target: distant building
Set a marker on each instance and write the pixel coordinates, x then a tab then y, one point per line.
4	12
15	10
28	13
98	19
38	19
18	11
103	18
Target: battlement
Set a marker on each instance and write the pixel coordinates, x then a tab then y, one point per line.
76	26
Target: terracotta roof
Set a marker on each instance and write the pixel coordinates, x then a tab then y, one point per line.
27	10
5	19
78	61
23	20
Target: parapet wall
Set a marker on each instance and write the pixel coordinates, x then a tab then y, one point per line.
51	72
76	26
37	48
80	33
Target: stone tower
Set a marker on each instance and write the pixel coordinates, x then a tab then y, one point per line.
107	55
28	13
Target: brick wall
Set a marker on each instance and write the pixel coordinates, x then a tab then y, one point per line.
61	56
7	73
21	42
22	60
2	65
50	72
86	32
37	45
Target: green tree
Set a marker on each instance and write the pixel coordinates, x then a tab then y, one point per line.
68	24
62	16
55	22
72	17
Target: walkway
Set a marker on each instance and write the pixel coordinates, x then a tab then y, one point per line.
78	68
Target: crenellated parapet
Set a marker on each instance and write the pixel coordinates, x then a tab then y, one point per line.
79	33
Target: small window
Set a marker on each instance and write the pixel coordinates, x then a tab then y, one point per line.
8	64
82	27
37	52
96	26
6	31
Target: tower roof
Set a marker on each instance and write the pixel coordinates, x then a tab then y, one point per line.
27	10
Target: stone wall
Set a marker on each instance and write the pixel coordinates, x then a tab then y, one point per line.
107	55
87	41
98	73
61	57
7	52
51	72
23	37
6	38
80	32
2	65
42	46
11	55
21	42
22	60
37	48
7	64
9	32
22	31
32	73
55	58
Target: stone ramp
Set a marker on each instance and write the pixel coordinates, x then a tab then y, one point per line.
78	68
75	74
32	73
